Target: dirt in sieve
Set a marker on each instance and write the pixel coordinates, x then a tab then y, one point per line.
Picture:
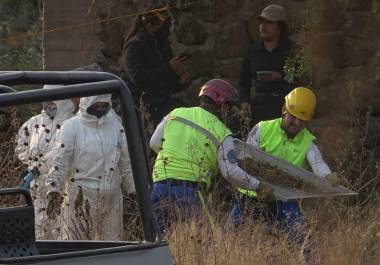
270	173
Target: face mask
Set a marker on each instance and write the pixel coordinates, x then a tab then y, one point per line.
97	112
50	109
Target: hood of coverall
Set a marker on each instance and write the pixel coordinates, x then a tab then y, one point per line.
88	101
64	107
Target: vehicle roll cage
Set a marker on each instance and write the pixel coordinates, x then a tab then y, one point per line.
81	84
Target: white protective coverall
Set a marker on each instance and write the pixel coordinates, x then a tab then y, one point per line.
90	169
35	142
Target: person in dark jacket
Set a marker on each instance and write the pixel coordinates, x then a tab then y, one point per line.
264	62
153	73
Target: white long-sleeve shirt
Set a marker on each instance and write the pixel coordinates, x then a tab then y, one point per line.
227	162
313	155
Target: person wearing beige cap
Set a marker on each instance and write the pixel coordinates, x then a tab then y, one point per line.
273	13
263	63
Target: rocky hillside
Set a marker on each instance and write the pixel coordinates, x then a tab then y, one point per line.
339	54
339	41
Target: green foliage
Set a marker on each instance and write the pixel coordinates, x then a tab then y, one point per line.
299	64
296	67
20	43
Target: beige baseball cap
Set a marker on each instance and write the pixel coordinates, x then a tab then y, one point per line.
274	13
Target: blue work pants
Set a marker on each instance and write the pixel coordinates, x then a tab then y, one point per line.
287	216
174	201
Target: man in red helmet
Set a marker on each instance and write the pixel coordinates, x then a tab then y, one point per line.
193	144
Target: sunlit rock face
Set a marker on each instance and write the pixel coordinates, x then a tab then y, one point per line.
344	48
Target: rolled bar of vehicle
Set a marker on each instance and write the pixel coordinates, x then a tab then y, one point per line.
87	84
6	89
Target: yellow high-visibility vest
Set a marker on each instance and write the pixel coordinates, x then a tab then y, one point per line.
189	146
274	141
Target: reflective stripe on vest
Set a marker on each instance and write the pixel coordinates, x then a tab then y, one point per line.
275	142
189	149
209	135
249	193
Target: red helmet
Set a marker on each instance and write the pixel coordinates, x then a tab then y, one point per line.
220	92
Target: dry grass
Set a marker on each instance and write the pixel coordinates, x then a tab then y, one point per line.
342	231
339	236
11	170
347	234
194	243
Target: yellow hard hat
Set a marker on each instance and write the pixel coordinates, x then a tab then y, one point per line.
301	102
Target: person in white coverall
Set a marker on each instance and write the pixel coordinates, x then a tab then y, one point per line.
90	168
35	141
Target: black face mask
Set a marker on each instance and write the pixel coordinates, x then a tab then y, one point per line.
97	112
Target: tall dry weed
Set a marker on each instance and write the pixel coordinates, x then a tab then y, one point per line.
337	236
198	243
11	170
342	231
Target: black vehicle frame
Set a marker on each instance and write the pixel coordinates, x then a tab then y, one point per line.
80	84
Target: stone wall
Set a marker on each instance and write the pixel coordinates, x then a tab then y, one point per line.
344	49
68	45
345	63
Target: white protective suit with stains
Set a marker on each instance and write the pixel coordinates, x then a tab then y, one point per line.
90	169
35	142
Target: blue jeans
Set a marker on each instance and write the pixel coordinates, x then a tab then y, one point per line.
287	216
174	203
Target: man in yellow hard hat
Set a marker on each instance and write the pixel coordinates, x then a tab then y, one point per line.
289	139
